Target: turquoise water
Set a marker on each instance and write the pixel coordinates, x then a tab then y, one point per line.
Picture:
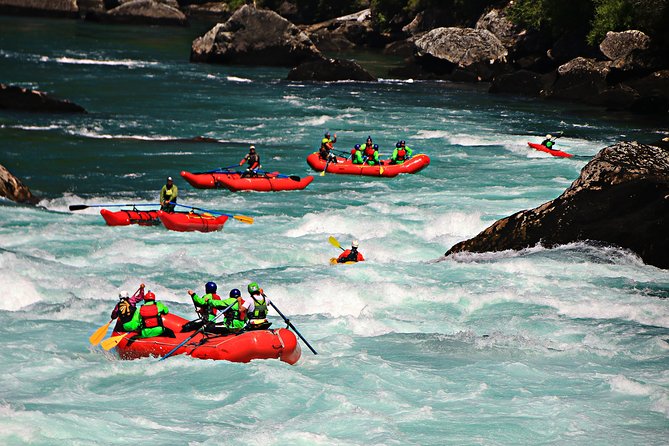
562	346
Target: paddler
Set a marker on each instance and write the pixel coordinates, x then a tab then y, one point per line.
257	310
206	313
401	153
168	196
126	306
148	320
351	255
235	314
549	142
327	146
356	155
253	160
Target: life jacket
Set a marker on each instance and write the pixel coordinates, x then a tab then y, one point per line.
205	310
369	152
349	255
125	310
260	311
150	316
401	154
235	313
253	159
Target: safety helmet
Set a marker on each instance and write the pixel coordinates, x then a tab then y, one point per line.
252	149
357	146
235	293
253	288
327	134
398	145
123	295
549	136
354	244
169	179
150	296
376	147
403	142
210	287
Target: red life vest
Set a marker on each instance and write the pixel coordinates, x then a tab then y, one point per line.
204	312
369	152
401	154
150	316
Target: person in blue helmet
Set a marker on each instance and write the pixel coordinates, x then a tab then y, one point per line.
356	155
205	311
234	319
401	153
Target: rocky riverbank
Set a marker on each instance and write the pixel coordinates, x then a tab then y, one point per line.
620	198
13	188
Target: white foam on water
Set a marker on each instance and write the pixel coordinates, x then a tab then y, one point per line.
129	63
238	79
17	291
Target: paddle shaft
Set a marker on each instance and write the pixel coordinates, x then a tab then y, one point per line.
78	207
290	324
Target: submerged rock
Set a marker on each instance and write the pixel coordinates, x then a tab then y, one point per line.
620	198
12	188
329	70
254	37
17	98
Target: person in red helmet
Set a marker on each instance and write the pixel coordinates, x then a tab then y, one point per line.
148	321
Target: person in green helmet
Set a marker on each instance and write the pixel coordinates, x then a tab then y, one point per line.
234	319
148	320
258	306
401	153
168	195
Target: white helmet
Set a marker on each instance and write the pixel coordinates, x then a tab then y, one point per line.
354	244
123	295
549	136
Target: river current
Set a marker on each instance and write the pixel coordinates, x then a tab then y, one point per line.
560	346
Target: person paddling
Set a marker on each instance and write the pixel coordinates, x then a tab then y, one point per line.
126	306
168	196
356	155
235	312
257	309
351	255
148	321
401	153
327	146
549	142
253	160
206	312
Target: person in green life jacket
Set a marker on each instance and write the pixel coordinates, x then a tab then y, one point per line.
168	195
206	313
327	146
548	142
401	153
234	318
356	155
257	311
148	320
370	154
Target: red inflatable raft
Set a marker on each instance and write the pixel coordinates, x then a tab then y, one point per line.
258	344
553	152
345	166
133	217
234	182
190	221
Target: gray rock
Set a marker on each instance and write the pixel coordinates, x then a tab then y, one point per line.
254	37
522	82
146	11
51	8
329	70
476	50
18	98
620	198
497	23
213	11
580	79
12	188
617	45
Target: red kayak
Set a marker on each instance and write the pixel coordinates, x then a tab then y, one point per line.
133	217
233	181
190	221
243	347
553	152
346	166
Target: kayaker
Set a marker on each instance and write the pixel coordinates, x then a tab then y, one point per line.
126	306
253	160
356	155
148	321
401	153
168	195
257	310
351	255
235	316
548	142
327	146
206	313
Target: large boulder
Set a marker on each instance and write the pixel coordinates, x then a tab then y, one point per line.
50	8
146	12
498	23
212	12
254	37
329	70
12	188
618	45
621	198
475	50
581	79
18	98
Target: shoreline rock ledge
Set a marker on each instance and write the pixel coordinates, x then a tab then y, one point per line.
620	198
13	189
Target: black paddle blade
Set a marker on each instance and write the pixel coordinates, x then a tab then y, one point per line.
77	207
295	178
